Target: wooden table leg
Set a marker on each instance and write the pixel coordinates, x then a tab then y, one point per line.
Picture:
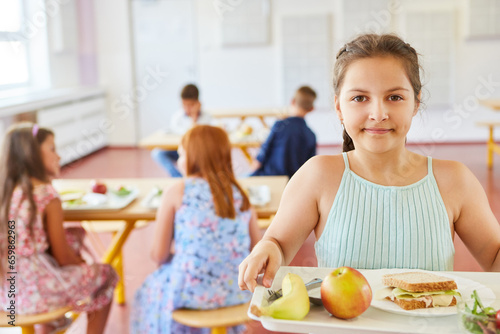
218	330
28	329
263	121
491	144
244	149
114	257
117	243
120	286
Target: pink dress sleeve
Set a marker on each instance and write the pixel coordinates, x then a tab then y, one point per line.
43	195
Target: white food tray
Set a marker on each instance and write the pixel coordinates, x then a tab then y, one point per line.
373	320
152	199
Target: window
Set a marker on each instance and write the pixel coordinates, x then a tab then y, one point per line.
432	34
307	56
484	18
14	68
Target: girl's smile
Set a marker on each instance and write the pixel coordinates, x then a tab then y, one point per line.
377	131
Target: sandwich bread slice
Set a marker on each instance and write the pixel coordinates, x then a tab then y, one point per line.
415	290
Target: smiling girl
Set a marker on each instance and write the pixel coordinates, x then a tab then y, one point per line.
378	205
50	272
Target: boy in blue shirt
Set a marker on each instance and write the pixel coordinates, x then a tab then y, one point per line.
291	143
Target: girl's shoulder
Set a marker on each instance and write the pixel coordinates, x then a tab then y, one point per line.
326	163
173	193
322	169
450	174
44	189
449	168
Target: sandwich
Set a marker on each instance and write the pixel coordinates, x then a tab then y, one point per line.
416	290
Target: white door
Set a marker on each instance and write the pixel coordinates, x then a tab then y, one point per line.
164	44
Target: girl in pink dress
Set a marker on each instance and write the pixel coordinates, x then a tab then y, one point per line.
47	270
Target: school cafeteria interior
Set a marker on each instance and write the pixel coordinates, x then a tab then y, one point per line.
106	77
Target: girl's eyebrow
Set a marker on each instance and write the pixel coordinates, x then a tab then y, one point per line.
365	91
397	88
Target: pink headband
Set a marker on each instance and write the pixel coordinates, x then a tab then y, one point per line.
34	131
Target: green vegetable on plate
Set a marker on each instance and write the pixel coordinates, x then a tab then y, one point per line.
480	319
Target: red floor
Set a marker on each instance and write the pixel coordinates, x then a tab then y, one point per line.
132	162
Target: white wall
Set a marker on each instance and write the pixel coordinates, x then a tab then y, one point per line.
115	66
251	76
244	77
233	76
63	44
164	44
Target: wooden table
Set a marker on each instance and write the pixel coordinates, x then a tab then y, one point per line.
135	211
493	104
170	141
244	113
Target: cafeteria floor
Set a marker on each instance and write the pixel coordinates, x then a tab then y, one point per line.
134	162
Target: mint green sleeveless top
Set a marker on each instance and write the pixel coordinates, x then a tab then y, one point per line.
371	226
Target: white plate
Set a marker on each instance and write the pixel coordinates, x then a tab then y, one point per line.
465	287
259	195
110	201
70	195
152	199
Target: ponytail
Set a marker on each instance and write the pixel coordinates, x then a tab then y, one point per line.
348	144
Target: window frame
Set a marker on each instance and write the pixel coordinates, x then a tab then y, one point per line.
18	36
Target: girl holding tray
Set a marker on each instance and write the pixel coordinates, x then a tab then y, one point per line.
378	205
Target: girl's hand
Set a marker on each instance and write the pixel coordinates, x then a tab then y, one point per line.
266	258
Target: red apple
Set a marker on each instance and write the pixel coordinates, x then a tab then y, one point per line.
98	187
345	293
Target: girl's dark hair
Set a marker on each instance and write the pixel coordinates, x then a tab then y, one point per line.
20	160
373	45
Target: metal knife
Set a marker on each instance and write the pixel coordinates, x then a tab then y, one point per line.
315	283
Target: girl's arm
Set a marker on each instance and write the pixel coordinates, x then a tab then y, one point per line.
59	246
253	229
164	230
476	224
297	216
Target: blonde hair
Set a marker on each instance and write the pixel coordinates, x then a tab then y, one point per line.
208	154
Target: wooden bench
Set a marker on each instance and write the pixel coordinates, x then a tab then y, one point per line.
216	319
27	322
491	145
113	226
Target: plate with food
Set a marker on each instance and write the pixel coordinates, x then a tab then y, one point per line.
259	195
422	293
152	199
100	197
71	195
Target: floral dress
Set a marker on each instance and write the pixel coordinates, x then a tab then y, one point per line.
203	273
42	285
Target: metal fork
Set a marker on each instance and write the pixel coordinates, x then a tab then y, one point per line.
314	283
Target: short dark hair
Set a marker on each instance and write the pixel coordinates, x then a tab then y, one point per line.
190	92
